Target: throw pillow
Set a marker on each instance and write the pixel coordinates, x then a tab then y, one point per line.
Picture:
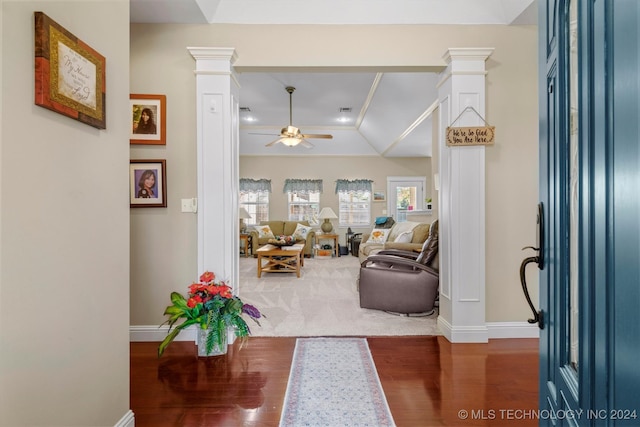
378	235
283	240
405	237
264	232
301	232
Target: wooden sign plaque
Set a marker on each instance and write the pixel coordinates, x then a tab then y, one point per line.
465	136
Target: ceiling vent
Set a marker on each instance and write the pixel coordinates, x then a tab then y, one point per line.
245	109
345	109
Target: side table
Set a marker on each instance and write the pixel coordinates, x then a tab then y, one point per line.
329	236
246	238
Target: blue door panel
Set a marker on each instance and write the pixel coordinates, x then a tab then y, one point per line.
604	386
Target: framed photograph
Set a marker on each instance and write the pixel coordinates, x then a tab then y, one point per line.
379	196
148	183
148	119
69	74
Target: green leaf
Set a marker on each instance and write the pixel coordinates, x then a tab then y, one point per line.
177	297
171	336
234	305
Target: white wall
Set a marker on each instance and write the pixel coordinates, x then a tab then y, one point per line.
160	63
64	219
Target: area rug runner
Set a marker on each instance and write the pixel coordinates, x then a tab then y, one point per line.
333	382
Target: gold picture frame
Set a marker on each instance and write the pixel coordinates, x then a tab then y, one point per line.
69	75
148	119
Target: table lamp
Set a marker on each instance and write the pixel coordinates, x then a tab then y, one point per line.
243	214
327	214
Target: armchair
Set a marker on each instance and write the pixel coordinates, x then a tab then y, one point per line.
402	281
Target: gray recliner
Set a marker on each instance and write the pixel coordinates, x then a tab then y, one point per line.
402	281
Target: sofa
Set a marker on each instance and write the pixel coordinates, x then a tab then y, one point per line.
419	231
280	228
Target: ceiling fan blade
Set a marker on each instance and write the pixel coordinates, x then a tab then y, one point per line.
306	143
268	134
273	142
311	135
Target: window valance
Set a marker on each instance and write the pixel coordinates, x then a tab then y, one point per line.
255	185
302	186
353	186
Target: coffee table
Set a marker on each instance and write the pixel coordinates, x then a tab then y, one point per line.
280	259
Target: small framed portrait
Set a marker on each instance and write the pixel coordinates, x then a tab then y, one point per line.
148	119
379	196
148	183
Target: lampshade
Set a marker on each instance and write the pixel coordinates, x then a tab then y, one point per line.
243	214
327	213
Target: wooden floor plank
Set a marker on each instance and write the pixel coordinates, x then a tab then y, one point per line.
427	382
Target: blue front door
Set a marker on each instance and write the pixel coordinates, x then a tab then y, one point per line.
590	192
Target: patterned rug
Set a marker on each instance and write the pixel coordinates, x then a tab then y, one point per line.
333	382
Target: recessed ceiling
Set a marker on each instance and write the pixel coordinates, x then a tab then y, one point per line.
498	12
386	109
390	112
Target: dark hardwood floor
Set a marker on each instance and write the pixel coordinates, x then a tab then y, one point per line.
427	381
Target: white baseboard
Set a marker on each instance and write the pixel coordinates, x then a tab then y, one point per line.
464	334
492	330
144	333
127	420
513	330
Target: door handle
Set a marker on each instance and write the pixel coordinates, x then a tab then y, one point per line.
538	316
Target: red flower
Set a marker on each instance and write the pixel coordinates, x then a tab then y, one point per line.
207	277
192	302
225	291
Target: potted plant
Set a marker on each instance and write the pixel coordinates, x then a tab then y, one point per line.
213	308
429	205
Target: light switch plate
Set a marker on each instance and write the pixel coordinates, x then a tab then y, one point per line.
189	205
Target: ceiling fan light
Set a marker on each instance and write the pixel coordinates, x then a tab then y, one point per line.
290	142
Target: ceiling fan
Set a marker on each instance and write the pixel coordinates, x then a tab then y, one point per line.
291	135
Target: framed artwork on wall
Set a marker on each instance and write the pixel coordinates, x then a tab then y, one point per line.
379	196
148	119
148	183
69	74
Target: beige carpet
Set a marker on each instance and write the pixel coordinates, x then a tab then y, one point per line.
322	302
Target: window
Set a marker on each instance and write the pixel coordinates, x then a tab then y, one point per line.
355	209
254	197
303	199
304	206
354	198
257	204
405	194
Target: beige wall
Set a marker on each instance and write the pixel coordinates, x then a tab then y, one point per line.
330	169
163	256
64	219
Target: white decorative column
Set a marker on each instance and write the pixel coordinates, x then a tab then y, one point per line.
462	200
217	93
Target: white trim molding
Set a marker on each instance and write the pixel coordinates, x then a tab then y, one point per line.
127	420
151	333
462	200
513	330
491	330
494	330
217	106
